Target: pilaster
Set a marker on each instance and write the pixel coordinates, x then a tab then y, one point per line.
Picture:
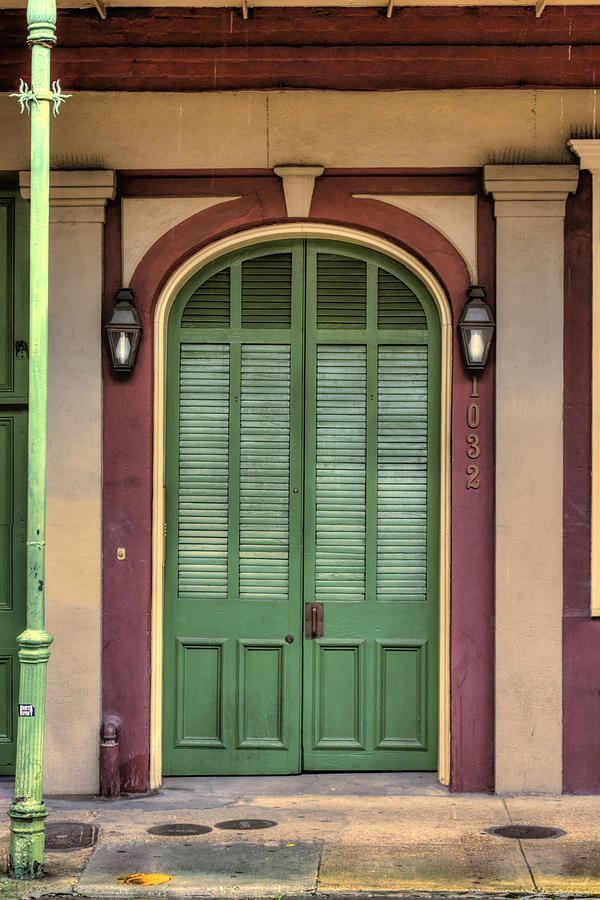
73	556
589	153
529	204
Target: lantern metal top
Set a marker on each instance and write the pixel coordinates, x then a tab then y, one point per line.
124	312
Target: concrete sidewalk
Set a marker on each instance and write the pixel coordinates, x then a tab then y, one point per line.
334	834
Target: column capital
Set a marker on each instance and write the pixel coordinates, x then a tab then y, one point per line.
588	151
76	196
531	190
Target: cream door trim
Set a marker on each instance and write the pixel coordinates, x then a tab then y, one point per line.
167	296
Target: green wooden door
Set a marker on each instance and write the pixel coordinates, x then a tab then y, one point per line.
302	468
13	459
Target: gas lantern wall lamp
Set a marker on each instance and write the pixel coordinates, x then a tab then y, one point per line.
476	329
124	332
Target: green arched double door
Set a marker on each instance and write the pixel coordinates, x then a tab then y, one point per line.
302	526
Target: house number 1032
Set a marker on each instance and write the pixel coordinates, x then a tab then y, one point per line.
473	448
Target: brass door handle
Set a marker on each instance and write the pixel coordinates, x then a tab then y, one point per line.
313	620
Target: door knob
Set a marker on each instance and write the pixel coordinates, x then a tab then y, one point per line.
289	638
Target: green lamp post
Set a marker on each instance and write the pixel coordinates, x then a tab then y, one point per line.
27	811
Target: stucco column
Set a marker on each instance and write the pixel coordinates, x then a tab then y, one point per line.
73	553
529	208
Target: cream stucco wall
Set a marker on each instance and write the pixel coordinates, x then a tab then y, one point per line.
73	509
145	219
329	128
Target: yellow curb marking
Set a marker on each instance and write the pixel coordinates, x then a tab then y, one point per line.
146	878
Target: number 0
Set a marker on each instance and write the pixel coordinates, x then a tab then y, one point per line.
473	415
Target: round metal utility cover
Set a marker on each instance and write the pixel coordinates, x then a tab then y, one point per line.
179	829
70	835
245	824
525	832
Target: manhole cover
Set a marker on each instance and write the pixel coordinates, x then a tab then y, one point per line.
525	832
245	824
70	835
179	829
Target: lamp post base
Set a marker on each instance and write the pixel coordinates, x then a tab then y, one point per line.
26	852
28	811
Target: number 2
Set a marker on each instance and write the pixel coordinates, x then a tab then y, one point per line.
473	472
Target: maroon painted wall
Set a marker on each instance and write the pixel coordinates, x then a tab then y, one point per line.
167	49
128	444
581	634
127	498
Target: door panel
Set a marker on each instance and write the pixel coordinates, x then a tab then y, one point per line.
13	459
233	565
370	701
302	466
13	479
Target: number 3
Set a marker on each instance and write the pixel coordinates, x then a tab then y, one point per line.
473	441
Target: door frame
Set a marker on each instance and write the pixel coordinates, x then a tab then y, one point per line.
167	295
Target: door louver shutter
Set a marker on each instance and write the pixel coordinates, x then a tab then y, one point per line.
341	292
402	473
397	306
208	307
340	487
203	470
267	291
264	472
